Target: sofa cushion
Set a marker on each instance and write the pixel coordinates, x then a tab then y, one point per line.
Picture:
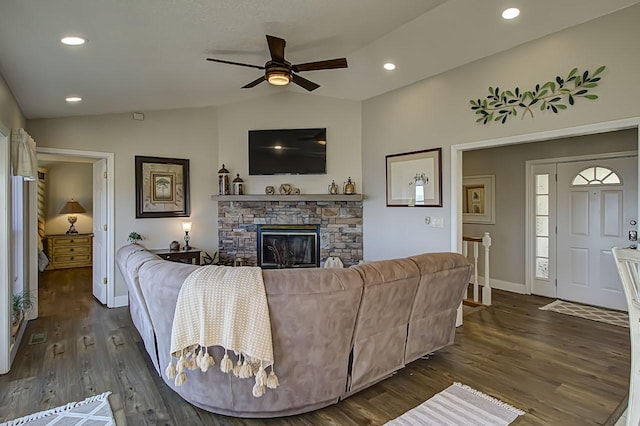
313	312
381	328
130	258
443	279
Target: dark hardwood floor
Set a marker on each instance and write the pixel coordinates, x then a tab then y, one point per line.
559	369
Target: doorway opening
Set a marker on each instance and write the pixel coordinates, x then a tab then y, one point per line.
518	198
90	175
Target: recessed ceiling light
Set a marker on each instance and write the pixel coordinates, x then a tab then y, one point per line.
73	41
511	13
277	147
73	99
389	66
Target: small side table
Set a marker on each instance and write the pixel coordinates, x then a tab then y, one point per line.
191	256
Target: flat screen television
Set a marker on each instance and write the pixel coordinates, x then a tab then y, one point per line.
288	152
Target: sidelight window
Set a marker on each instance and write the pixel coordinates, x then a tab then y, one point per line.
542	226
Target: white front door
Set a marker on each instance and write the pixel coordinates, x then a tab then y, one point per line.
596	209
100	209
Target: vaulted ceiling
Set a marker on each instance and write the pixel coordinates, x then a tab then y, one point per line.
150	54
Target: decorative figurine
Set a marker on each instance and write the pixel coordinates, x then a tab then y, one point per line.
333	188
285	189
223	181
237	185
349	187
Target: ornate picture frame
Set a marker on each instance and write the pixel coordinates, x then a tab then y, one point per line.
414	179
162	187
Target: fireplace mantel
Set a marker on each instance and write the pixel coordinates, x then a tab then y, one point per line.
296	197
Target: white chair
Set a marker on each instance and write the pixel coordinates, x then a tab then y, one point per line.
628	262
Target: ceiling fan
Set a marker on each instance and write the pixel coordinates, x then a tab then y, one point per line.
280	72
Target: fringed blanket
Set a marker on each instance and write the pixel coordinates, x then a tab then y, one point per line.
223	306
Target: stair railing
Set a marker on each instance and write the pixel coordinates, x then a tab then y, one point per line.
486	288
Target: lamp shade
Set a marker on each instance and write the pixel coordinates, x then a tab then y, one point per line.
72	207
186	226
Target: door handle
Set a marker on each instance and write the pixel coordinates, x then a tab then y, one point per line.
633	235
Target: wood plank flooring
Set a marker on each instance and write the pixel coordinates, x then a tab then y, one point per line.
560	370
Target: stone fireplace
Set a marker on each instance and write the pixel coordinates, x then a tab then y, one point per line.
243	220
288	246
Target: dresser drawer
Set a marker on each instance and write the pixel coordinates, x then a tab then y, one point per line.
75	258
70	241
69	250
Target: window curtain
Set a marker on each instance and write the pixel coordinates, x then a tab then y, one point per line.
23	155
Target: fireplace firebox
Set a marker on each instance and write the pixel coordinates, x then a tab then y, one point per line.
288	246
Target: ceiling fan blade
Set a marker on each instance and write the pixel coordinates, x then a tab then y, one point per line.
235	63
321	65
303	82
276	48
254	83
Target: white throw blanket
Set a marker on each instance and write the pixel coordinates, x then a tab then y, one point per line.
223	306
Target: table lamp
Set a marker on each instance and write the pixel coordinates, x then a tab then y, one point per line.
71	208
186	227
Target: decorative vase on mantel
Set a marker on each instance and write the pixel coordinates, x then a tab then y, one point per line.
223	181
349	187
333	188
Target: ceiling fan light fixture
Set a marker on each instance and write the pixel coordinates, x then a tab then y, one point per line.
279	78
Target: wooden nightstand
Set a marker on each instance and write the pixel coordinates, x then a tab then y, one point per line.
191	256
69	250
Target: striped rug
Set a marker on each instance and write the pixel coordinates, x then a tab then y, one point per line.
593	313
93	411
459	405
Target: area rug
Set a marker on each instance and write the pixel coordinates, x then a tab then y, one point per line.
93	411
592	313
459	405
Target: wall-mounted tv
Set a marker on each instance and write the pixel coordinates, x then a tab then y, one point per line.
288	151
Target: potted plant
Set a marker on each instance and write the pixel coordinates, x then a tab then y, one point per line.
134	238
20	302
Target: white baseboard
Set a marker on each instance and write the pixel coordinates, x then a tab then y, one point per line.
505	285
120	301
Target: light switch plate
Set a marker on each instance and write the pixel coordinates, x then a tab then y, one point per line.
437	222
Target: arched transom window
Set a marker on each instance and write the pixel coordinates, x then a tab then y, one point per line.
596	176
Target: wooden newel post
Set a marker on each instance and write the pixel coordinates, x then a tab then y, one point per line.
486	290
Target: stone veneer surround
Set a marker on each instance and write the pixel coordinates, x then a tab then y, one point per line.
340	226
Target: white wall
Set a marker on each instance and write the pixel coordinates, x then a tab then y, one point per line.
10	113
184	133
65	181
507	163
208	137
289	110
435	113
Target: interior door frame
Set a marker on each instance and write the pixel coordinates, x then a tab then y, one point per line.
455	189
530	207
5	252
109	156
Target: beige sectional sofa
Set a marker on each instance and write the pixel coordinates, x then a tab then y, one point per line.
335	331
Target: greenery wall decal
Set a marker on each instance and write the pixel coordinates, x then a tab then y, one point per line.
552	95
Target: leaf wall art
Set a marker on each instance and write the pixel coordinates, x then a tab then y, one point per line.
553	95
